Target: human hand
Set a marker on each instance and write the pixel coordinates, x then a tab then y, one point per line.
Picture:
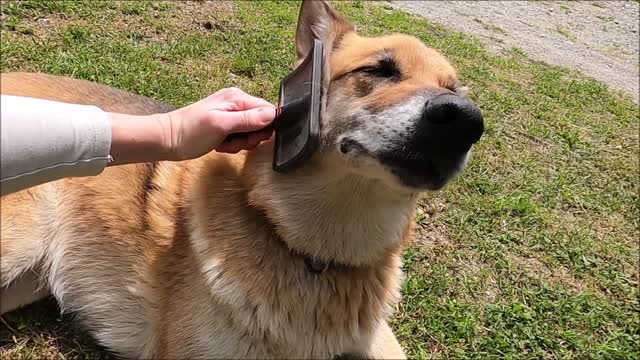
201	127
192	131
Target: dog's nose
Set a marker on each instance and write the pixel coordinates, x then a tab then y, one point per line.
449	123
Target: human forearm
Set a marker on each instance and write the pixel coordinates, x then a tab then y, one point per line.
46	140
137	139
43	141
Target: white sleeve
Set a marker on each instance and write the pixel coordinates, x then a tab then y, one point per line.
43	141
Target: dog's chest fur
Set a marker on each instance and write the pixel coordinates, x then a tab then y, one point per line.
255	297
200	273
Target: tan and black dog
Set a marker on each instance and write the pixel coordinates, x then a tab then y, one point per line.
221	257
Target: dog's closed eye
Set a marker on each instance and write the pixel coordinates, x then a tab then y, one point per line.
385	68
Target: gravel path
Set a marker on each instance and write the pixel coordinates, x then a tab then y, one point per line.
599	38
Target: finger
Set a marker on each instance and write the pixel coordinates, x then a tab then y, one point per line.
249	102
240	100
253	141
248	142
232	147
242	121
257	138
251	147
271	138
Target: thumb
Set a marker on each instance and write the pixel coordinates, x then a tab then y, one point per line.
244	121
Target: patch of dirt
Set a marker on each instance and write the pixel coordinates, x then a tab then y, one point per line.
598	38
158	23
558	276
199	15
428	232
488	289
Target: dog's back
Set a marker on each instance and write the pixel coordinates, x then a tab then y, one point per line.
26	213
83	236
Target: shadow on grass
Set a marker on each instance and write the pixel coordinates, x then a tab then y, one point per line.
39	331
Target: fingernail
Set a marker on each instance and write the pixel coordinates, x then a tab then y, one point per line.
267	114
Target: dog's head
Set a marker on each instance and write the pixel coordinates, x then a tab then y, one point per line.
393	109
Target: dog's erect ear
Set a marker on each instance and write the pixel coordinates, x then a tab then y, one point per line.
318	20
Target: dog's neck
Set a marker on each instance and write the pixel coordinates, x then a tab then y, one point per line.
330	216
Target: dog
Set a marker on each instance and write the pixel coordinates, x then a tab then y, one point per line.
221	257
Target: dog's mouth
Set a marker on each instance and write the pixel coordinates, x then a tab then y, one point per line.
423	171
414	169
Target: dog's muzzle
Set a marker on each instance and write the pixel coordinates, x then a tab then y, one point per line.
437	149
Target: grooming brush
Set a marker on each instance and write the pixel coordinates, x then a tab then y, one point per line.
297	121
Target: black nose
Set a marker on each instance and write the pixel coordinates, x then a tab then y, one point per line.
449	123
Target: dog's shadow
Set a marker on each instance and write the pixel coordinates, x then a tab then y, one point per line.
39	331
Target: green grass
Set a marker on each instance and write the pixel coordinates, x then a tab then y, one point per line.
531	253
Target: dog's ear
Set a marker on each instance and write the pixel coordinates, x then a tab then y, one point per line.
318	20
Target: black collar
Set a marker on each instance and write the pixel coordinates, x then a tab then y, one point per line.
316	266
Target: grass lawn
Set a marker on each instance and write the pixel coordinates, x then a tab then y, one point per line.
531	253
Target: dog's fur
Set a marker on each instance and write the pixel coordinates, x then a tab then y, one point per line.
210	258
